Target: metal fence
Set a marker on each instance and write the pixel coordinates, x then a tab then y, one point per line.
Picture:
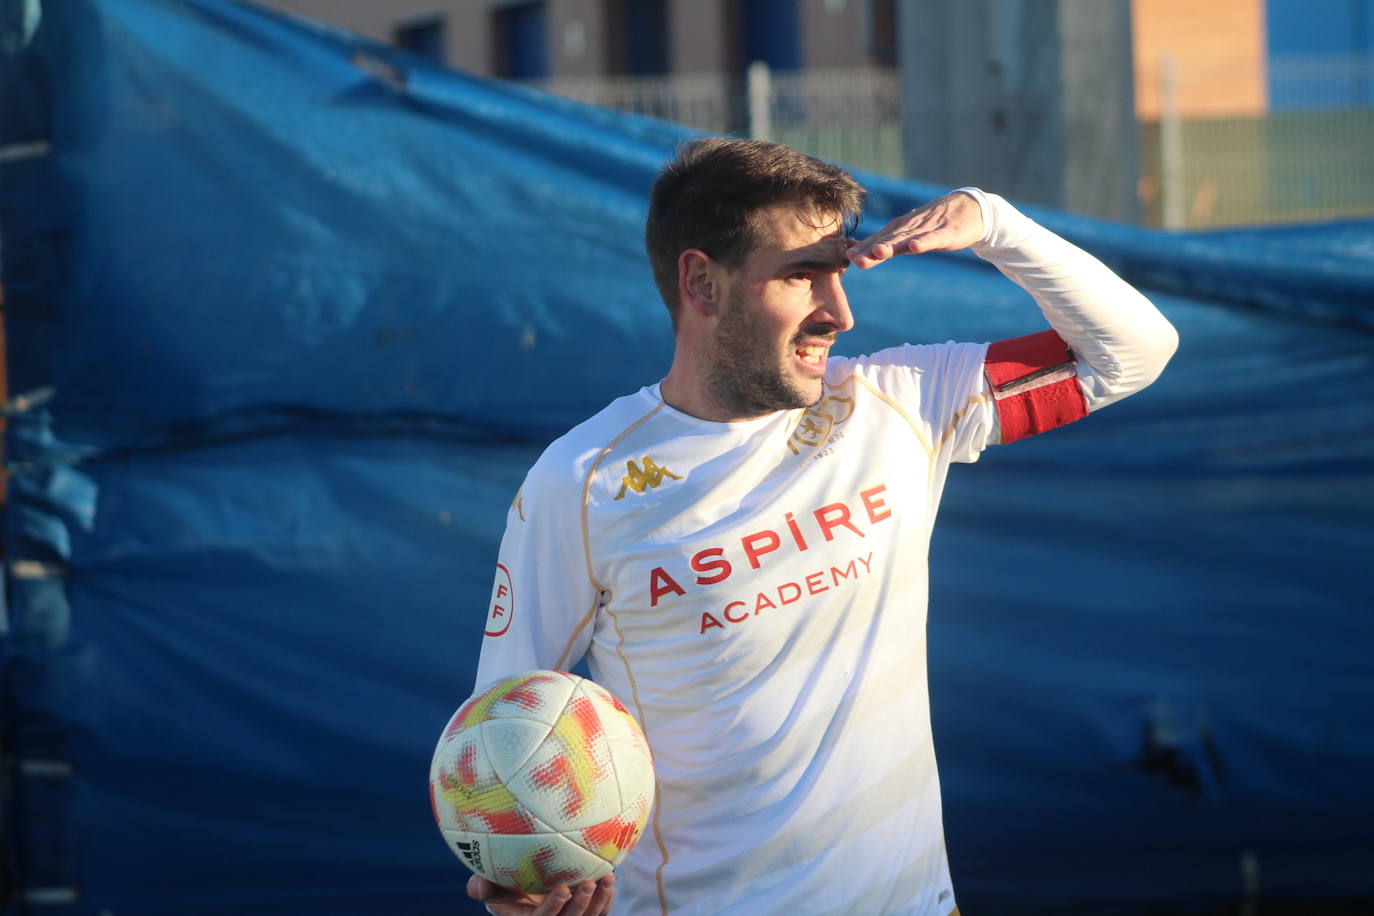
1309	156
849	116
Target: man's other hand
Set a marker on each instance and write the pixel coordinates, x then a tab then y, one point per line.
947	223
590	898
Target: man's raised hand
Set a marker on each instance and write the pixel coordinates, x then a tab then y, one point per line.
947	223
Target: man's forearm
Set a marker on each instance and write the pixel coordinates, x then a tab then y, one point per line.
1121	341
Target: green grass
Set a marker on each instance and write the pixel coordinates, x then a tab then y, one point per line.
1286	166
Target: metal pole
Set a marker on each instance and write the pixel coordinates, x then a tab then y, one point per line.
1359	53
1170	147
759	83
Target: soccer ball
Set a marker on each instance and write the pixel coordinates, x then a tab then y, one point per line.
541	779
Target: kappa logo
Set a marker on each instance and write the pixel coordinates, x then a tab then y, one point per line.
640	479
819	422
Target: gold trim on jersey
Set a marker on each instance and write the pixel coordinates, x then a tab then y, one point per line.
949	430
603	599
572	640
920	437
658	794
587	491
587	540
930	450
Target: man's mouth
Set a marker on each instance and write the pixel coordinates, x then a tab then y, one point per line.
812	355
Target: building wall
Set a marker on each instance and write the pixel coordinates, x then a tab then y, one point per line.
1218	46
701	38
577	38
833	33
697	37
1304	28
467	23
1218	53
1320	53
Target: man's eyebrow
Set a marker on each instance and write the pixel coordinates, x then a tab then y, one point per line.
816	263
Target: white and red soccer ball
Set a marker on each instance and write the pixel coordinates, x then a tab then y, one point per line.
541	779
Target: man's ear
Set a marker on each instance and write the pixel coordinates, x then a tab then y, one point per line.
699	282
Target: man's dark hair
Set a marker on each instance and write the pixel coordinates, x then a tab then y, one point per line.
709	197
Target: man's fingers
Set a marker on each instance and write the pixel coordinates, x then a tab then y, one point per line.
891	241
604	896
589	898
881	251
480	888
556	902
945	224
568	901
877	252
927	241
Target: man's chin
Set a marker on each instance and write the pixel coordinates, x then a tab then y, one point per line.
810	390
787	390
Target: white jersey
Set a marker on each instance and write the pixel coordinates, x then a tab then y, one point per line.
755	592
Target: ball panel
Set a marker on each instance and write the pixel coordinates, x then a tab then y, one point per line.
469	794
569	780
617	721
538	695
536	863
601	696
634	772
613	838
628	749
509	743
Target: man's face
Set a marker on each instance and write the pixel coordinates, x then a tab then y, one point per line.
782	310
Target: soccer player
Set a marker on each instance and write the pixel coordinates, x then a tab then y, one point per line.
739	550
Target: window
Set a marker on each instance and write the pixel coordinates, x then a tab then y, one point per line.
767	30
882	36
522	45
424	37
637	37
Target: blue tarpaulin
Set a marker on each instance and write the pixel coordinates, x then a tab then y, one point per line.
289	314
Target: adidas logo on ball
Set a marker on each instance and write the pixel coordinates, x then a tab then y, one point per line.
470	853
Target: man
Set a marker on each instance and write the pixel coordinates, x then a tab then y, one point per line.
739	551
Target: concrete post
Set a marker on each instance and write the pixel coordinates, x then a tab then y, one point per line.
1032	99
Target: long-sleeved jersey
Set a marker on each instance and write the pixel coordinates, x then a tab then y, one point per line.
755	592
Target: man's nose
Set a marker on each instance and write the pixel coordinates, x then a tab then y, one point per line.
832	306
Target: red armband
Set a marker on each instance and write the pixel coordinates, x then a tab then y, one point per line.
1033	384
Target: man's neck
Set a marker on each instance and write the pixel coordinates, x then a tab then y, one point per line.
685	390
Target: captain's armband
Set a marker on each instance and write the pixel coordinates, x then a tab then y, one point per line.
1034	385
